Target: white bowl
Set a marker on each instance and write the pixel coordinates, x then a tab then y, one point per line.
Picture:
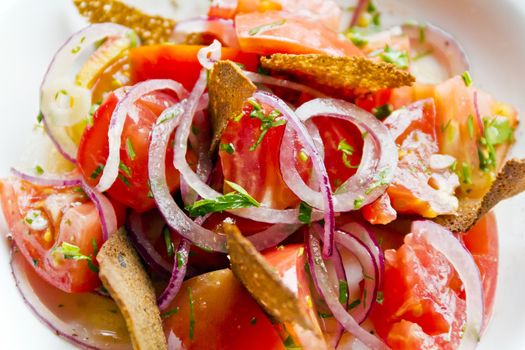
491	31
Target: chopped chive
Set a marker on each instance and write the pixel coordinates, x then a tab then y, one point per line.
467	79
170	249
39	170
381	112
227	147
130	150
40	117
354	304
124	180
264	27
253	321
95	246
358	202
343	291
192	315
380	297
169	313
98	170
180	260
125	169
422	33
305	213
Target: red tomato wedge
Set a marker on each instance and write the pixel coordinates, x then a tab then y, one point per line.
219	315
326	11
178	62
41	219
131	188
423	305
280	32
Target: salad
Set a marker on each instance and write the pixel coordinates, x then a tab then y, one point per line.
278	174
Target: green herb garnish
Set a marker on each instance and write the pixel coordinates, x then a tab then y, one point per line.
354	304
305	213
170	249
169	313
267	121
125	169
495	132
347	151
40	117
264	27
39	170
358	203
180	260
233	200
70	251
98	170
380	297
192	314
467	79
470	125
379	181
343	291
227	147
383	111
130	150
396	57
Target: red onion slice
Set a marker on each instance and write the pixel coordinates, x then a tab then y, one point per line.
144	247
221	28
322	281
358	12
463	262
56	86
177	276
444	45
118	118
265	79
106	212
72	316
378	162
175	216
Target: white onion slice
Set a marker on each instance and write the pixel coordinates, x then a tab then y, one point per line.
444	241
378	162
265	79
118	118
208	55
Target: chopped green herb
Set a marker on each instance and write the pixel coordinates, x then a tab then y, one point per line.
356	37
227	147
39	170
347	151
303	156
324	315
262	70
125	169
358	203
75	50
380	297
470	125
267	121
383	111
35	262
95	246
305	213
467	79
289	344
422	29
169	116
444	127
233	200
192	314
343	291
264	27
133	38
354	304
376	19
253	321
495	132
371	8
466	172
364	134
169	313
180	260
98	170
130	150
380	180
70	251
40	117
170	249
124	180
396	57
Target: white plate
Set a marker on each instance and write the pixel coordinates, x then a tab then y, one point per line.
491	31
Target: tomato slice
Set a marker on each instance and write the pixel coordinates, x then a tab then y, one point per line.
41	219
326	11
178	62
131	188
280	32
220	315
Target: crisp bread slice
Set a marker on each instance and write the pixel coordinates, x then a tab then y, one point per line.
124	277
228	89
509	182
340	72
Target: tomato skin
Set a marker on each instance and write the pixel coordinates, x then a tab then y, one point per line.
225	316
289	34
94	148
70	218
178	62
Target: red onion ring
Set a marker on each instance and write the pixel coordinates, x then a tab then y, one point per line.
441	41
118	118
444	241
106	212
359	9
63	143
341	276
378	162
144	247
177	276
265	79
221	28
175	217
322	281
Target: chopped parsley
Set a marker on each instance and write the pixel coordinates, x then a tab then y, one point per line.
444	127
467	79
324	315
396	57
40	117
495	132
39	170
227	147
383	111
354	304
124	180
356	37
239	198
422	30
95	246
170	249
262	70
98	170
380	180
75	50
305	213
169	313
70	251
133	38
35	262
253	321
180	260
358	202
192	314
380	297
466	172
347	151
130	150
267	121
125	169
265	27
343	291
